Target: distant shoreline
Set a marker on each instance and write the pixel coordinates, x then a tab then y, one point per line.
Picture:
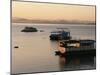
22	20
57	23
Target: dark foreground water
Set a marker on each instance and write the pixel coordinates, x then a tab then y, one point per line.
36	53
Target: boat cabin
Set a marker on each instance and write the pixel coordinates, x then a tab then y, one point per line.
76	43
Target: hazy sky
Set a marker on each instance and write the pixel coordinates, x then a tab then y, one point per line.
30	10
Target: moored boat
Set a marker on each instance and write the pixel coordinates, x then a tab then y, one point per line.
76	47
29	29
60	34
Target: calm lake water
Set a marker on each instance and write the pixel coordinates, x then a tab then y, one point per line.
36	52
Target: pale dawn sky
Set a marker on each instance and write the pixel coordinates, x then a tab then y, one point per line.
32	10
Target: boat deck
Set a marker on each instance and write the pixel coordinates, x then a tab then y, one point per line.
79	49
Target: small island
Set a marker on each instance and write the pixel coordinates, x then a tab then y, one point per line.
29	29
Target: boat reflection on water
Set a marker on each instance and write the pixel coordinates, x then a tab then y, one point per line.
76	63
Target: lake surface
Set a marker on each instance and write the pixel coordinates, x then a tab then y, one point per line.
36	52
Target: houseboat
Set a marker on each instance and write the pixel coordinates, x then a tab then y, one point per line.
76	47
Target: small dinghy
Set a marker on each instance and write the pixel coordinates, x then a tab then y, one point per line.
16	47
